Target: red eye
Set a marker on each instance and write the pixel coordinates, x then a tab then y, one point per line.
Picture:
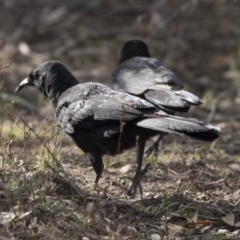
34	77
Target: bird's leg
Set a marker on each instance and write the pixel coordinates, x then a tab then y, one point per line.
137	178
154	147
97	179
143	172
96	160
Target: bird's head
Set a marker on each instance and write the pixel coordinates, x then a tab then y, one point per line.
134	48
51	78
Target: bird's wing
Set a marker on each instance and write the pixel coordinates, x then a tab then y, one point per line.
138	74
172	100
85	105
167	100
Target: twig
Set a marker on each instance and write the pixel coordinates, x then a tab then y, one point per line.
118	202
122	124
80	192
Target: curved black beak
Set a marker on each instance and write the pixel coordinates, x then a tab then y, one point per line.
22	85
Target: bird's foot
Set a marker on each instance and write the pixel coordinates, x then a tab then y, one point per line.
137	183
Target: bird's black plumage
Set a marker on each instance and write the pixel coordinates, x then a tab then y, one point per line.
134	48
143	76
102	121
140	75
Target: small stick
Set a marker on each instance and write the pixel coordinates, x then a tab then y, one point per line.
80	192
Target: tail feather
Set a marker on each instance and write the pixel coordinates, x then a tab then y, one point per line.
189	97
183	127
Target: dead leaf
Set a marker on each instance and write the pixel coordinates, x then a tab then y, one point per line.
155	237
222	231
72	204
174	228
229	219
133	229
204	230
23	215
237	224
50	232
6	217
195	217
120	229
235	233
125	168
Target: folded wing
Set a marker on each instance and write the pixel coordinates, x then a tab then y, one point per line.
86	104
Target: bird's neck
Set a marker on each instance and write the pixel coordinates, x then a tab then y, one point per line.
54	91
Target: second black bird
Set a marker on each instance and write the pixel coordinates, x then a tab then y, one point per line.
140	75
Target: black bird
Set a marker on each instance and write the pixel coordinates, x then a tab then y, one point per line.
102	121
140	75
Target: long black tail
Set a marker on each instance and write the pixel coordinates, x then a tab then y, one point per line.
182	127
